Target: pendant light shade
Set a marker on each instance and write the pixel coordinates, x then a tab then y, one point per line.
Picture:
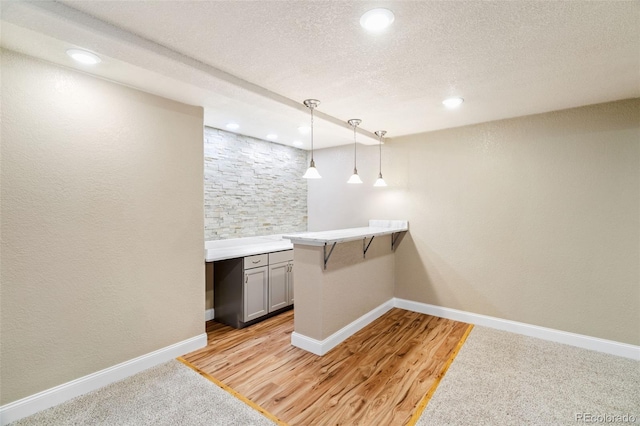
312	172
355	178
380	181
354	122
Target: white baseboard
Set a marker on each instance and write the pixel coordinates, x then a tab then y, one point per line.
307	343
59	394
209	314
321	347
579	340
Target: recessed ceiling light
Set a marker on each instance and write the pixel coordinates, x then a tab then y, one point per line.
297	143
304	129
233	126
453	102
377	19
83	56
272	136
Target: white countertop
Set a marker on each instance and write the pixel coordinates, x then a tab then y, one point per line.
241	247
375	228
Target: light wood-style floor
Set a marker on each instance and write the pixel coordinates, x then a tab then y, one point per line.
379	376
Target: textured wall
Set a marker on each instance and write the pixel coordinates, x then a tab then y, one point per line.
252	187
101	222
533	219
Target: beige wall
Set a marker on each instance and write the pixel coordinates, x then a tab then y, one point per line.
533	219
351	286
101	222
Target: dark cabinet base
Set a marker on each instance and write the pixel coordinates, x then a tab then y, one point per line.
236	321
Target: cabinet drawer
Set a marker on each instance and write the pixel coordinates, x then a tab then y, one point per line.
255	261
280	256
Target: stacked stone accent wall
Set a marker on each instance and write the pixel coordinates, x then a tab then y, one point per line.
252	187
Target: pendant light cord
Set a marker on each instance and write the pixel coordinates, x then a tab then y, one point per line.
380	145
355	153
312	134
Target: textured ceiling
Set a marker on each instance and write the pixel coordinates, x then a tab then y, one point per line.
255	61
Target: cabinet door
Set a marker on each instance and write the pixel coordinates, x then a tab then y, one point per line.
256	283
278	286
290	284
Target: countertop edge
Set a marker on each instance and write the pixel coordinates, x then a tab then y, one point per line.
317	239
250	250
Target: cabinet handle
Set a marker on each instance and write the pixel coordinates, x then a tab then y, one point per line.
246	279
255	261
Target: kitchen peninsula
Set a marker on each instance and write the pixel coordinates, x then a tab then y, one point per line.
344	279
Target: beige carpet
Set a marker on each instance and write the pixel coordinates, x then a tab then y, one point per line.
169	394
500	378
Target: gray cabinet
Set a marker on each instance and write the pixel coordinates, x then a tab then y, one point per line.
280	280
278	295
256	285
248	289
290	283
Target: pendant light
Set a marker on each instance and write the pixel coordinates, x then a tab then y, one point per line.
354	122
380	181
312	172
